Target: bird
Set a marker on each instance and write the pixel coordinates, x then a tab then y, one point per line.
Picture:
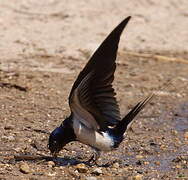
95	118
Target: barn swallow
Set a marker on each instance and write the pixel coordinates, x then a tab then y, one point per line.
95	116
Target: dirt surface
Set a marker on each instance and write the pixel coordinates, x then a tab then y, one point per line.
45	44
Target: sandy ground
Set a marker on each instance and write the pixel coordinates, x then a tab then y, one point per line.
44	44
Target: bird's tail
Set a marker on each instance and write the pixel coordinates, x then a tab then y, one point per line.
123	124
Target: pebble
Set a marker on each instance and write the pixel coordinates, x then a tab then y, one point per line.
24	168
163	147
9	127
91	178
8	138
186	135
17	149
97	171
81	168
178	166
137	177
146	162
157	163
139	157
51	164
115	165
132	74
174	132
49	174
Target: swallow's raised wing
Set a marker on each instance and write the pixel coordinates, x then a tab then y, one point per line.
92	98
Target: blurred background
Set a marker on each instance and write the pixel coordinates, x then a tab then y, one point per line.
66	26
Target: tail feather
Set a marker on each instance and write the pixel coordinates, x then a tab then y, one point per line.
122	125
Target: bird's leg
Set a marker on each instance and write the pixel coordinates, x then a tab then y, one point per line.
95	156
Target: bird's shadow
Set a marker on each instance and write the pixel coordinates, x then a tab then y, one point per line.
69	161
59	161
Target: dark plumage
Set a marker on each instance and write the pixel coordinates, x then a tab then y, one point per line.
95	116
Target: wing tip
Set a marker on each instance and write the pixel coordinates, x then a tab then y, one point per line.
127	18
119	28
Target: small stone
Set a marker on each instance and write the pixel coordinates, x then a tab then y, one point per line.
184	162
51	164
186	135
139	162
177	159
17	149
116	165
49	174
8	138
157	163
137	177
97	171
163	147
33	178
9	127
46	75
146	162
81	168
91	178
178	166
139	157
24	168
132	74
174	132
130	86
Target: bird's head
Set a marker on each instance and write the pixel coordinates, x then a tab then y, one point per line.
59	138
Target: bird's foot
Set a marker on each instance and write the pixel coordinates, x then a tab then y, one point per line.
94	157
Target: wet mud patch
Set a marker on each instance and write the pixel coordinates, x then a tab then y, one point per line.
165	159
181	118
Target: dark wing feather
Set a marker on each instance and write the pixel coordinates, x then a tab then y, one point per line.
93	87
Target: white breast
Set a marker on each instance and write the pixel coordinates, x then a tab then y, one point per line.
91	137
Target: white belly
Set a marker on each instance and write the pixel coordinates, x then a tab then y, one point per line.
90	137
